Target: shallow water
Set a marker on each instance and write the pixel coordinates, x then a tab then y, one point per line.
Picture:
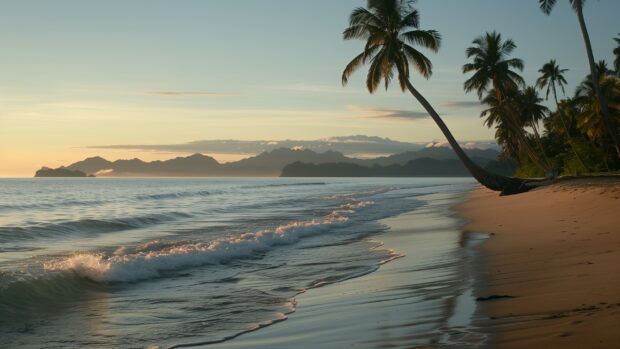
160	262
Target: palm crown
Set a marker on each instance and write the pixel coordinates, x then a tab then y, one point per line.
491	66
551	75
391	30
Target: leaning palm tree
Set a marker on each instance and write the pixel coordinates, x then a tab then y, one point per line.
493	69
552	75
391	29
546	6
617	54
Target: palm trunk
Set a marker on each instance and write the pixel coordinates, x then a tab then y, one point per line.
609	123
540	145
506	185
568	138
522	140
525	144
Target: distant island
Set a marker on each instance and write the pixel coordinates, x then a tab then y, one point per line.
60	172
431	161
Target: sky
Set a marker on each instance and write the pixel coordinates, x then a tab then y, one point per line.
76	75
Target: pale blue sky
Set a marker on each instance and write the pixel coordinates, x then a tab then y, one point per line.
78	73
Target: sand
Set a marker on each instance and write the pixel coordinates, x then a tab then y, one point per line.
556	250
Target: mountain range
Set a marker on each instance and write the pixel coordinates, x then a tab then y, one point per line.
266	164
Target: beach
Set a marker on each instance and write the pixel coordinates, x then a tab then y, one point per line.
555	254
422	299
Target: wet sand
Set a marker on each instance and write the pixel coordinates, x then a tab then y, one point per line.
421	300
556	251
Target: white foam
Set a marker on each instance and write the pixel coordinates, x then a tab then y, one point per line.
147	261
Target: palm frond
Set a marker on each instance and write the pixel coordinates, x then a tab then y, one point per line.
546	5
430	39
419	60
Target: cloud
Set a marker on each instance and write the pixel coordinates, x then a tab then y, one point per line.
359	144
388	113
479	144
188	93
462	104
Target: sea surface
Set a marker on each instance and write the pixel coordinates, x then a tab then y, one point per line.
161	263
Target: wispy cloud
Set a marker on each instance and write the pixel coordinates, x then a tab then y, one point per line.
359	144
462	104
387	113
189	93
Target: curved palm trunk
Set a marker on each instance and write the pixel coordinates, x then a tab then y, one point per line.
506	185
609	123
572	146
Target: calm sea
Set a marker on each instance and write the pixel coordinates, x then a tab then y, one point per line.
126	263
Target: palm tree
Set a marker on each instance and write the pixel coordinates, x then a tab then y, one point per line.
495	116
546	6
588	121
391	30
551	74
532	112
617	54
492	69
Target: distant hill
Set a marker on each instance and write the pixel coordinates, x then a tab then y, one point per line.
59	172
266	164
424	167
438	153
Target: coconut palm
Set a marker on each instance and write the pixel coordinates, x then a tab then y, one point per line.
526	105
546	6
391	29
493	70
617	54
491	66
552	75
495	116
588	121
532	112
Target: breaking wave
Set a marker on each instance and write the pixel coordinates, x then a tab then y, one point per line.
151	259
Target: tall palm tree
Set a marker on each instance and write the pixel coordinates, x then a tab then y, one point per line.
493	69
546	6
552	75
590	108
532	112
495	116
391	29
617	54
526	105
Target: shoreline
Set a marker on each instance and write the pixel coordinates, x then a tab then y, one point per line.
421	300
551	265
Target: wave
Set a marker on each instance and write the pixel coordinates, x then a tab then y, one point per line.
173	195
151	259
22	296
46	205
84	226
283	185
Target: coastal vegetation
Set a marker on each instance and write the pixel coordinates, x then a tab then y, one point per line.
578	136
391	29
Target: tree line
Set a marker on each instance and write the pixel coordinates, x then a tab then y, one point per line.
579	136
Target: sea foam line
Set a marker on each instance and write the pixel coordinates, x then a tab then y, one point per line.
151	259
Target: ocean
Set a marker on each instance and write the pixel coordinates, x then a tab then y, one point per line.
162	263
